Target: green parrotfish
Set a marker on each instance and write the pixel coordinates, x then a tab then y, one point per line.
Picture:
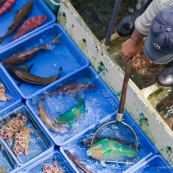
70	116
109	151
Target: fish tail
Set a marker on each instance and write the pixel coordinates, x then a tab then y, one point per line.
53	42
132	153
56	41
15	37
60	71
46	46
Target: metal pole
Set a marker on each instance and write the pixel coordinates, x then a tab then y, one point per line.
112	22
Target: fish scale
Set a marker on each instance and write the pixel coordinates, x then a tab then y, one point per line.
29	25
110	151
7	5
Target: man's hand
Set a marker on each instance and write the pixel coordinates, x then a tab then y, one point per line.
132	47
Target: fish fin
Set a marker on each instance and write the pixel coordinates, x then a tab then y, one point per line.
28	68
60	71
107	153
25	66
71	124
56	41
103	163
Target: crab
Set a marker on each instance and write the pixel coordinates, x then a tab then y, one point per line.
52	168
9	129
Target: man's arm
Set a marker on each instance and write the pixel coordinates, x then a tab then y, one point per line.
143	22
132	46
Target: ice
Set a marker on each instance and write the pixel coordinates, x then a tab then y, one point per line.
98	104
41	40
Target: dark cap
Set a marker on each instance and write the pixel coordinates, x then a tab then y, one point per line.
159	43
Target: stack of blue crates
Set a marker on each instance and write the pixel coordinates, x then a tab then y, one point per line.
47	147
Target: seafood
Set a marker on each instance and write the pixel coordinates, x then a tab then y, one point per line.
87	142
109	151
7	6
73	88
21	14
77	162
23	75
8	130
165	104
70	116
45	118
21	143
52	168
24	56
3	96
27	55
29	25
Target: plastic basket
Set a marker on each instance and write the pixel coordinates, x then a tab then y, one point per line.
155	164
98	104
39	8
47	62
49	159
145	151
39	143
7	162
13	97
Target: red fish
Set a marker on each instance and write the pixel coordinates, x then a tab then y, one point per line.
29	25
6	6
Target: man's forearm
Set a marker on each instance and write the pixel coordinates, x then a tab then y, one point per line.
137	37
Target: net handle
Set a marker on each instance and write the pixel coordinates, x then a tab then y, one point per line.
124	88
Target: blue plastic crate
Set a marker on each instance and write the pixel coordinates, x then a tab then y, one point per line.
10	91
7	162
47	62
145	151
155	164
39	144
49	159
98	104
39	8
